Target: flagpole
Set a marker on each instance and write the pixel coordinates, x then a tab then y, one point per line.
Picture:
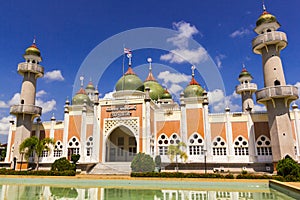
123	67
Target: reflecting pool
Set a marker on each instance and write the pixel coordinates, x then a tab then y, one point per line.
53	188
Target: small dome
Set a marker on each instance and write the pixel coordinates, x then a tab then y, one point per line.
80	98
90	86
156	90
166	95
266	18
244	73
33	50
193	89
130	81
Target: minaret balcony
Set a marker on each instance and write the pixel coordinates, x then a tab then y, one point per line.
31	67
248	87
274	37
26	109
289	92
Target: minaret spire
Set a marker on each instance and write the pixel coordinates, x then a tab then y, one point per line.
264	6
150	64
81	78
193	70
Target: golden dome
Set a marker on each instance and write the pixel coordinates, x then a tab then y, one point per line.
265	18
33	50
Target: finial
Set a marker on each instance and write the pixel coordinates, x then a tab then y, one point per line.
263	4
244	66
193	70
150	63
81	78
129	56
34	39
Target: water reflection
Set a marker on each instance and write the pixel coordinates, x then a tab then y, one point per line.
16	192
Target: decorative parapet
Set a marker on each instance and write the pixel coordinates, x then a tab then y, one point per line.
31	67
273	37
246	87
288	91
26	109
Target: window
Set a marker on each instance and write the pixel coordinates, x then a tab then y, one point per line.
219	147
57	153
241	146
163	144
89	146
263	146
45	153
196	145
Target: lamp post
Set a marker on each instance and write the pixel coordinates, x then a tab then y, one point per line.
204	151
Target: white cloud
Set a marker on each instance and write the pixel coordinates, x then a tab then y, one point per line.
46	105
182	52
240	33
3	104
14	100
219	59
186	31
219	101
169	77
109	95
175	89
54	75
183	55
259	108
4	125
41	93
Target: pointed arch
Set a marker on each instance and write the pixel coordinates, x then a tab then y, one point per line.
162	144
196	144
241	146
263	146
219	146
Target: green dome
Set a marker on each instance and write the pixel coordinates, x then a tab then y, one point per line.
244	73
80	98
90	86
156	90
193	89
166	95
265	18
130	81
33	50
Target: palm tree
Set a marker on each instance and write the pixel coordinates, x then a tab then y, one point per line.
34	145
177	150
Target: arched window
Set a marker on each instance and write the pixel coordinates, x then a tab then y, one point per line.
219	147
196	145
89	146
263	146
241	146
174	139
73	147
276	82
58	149
163	143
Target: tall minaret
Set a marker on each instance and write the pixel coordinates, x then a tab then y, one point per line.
246	89
26	110
276	95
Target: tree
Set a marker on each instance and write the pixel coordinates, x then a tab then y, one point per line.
289	169
34	145
142	163
177	150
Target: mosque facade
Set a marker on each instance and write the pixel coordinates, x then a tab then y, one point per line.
142	117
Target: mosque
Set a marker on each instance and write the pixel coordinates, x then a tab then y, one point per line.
142	117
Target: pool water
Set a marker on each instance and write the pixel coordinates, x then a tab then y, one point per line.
50	189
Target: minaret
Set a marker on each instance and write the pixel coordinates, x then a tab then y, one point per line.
275	95
246	89
26	110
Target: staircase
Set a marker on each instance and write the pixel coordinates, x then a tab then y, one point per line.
112	168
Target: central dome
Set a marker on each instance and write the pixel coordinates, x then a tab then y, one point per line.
156	90
193	89
130	81
80	98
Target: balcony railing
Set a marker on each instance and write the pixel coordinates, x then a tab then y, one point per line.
287	91
31	67
26	109
246	87
269	38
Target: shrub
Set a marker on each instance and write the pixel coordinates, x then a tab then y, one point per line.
37	173
157	161
289	169
142	163
75	158
62	164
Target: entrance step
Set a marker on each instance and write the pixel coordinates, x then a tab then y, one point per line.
112	168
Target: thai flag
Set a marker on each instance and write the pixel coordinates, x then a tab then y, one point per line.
127	51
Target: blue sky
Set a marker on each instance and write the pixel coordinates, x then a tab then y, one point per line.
67	31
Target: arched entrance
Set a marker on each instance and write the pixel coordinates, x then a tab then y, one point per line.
121	145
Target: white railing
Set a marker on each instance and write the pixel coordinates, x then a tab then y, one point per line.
30	67
247	86
27	109
268	38
277	92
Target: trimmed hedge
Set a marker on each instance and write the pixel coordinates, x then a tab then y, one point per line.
4	171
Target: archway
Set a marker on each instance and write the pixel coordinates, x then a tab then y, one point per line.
121	145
